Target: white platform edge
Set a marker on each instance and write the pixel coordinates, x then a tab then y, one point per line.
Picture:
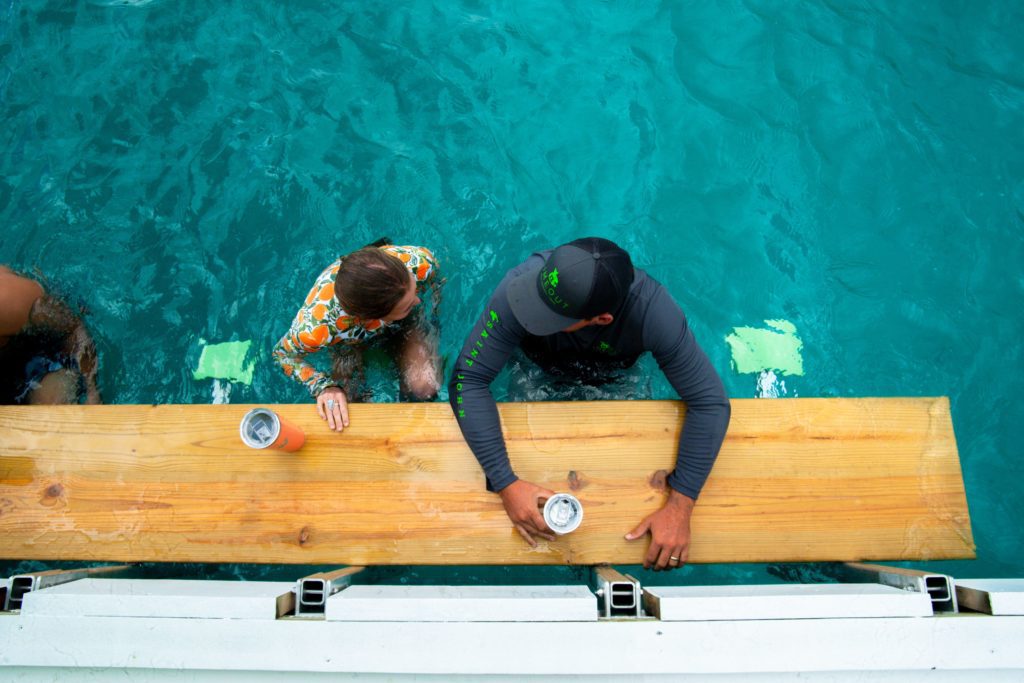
949	643
158	598
787	601
463	604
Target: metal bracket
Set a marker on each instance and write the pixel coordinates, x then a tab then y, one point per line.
939	587
618	594
312	591
22	584
998	597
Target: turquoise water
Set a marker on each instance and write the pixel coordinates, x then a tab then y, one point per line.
185	170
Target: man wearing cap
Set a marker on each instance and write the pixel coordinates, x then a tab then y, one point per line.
580	310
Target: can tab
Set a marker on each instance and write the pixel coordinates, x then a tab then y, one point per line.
261	430
562	512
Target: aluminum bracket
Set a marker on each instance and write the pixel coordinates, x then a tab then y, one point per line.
618	594
22	584
938	587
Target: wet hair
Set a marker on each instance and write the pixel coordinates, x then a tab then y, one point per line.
370	283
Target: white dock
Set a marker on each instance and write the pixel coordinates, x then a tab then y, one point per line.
168	630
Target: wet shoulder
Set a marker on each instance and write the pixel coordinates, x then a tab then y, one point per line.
17	295
644	288
322	291
647	297
419	260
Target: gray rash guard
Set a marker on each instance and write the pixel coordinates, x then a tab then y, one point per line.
649	320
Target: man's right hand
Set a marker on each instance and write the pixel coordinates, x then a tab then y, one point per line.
522	501
332	405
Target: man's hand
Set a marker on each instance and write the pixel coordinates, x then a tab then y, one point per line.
670	533
332	405
522	500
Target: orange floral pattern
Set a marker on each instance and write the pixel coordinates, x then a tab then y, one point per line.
322	322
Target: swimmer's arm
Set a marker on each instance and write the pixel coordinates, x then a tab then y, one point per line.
52	316
290	353
491	342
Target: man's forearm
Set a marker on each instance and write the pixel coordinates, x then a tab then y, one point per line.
478	418
699	444
487	349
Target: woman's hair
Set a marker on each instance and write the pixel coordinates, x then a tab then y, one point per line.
370	283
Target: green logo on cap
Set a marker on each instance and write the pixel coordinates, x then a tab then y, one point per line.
548	283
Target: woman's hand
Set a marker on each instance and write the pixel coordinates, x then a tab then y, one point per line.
332	405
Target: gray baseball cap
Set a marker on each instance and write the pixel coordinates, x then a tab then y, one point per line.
579	280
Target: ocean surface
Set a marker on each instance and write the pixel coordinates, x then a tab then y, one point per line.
184	170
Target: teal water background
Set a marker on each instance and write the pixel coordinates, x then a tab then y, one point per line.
186	169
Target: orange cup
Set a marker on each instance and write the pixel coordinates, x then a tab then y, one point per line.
262	428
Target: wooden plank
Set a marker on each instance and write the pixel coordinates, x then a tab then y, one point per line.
797	480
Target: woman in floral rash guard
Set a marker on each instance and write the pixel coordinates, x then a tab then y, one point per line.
370	294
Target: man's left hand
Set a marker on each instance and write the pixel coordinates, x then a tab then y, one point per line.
670	533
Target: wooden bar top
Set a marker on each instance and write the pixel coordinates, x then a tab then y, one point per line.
796	480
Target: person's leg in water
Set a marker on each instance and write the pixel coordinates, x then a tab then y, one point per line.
56	388
347	370
417	359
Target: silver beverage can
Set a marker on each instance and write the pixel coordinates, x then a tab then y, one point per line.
563	513
260	428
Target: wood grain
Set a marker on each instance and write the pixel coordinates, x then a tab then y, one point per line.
796	480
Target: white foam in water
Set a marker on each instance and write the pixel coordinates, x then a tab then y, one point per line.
221	392
769	385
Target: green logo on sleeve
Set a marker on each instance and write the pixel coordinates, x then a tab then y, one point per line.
490	322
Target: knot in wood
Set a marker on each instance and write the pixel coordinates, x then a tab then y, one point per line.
576	480
659	479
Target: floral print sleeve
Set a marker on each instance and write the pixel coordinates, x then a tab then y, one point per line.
322	322
313	329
